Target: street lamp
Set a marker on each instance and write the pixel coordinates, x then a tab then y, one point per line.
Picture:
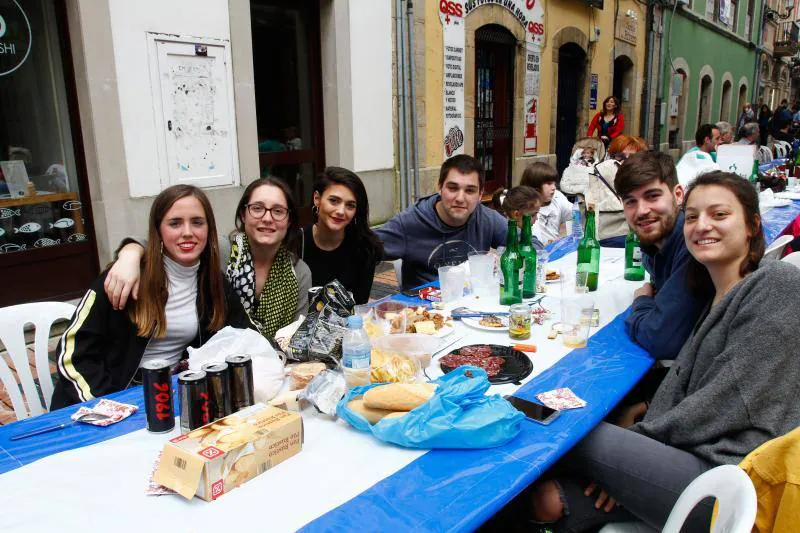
772	14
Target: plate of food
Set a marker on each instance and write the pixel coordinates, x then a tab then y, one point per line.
503	364
488	322
552	276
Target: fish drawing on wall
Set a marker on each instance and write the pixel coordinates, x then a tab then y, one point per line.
30	227
77	237
8	213
62	223
46	242
10	247
72	205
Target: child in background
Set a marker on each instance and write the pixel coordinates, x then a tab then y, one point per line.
517	202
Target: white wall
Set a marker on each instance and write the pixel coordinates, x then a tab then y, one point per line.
371	84
130	22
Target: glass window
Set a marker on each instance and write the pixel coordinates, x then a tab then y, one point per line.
40	200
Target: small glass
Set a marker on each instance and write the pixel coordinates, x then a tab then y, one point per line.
581	282
519	322
451	282
391	316
542	258
576	320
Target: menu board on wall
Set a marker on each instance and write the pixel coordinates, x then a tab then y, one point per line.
452	13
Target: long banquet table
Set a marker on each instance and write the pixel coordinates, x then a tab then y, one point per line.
85	477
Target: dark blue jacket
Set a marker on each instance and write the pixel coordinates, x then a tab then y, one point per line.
661	324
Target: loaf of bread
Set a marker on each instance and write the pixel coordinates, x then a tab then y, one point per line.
396	414
373	416
399	396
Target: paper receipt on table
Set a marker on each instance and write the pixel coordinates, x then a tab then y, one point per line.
561	399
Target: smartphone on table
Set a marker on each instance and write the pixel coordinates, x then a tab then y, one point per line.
534	411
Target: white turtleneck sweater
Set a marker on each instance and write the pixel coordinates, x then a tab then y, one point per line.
181	314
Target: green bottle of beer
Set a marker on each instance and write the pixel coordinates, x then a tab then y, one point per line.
589	251
528	254
753	178
634	268
510	293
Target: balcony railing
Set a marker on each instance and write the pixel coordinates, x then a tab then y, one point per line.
787	38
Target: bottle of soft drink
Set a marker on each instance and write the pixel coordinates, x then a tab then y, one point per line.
589	251
356	353
528	255
634	268
577	228
510	265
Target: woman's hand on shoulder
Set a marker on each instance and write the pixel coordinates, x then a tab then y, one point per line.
122	279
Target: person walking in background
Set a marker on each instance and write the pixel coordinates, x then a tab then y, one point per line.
747	115
764	123
725	132
608	123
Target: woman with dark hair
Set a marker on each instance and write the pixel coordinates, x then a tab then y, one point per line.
340	245
609	122
764	123
260	260
732	386
183	300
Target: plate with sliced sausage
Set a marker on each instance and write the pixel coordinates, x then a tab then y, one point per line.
503	364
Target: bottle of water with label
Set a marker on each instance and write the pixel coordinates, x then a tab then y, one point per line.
356	353
577	228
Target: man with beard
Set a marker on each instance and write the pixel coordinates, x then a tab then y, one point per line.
664	310
443	228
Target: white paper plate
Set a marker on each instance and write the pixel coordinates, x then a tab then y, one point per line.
476	323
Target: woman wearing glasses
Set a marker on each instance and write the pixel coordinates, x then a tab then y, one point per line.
339	245
260	259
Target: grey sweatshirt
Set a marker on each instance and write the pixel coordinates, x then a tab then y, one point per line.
734	384
419	237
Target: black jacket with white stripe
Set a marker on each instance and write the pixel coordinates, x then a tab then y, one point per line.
99	353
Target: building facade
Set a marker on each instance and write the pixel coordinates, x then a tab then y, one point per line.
779	47
710	49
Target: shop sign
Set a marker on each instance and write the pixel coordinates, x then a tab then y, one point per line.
627	27
530	14
15	36
593	91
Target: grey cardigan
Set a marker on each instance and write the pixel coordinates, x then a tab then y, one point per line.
733	385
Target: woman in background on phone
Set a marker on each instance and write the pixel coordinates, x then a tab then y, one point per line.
183	301
608	123
260	260
732	386
340	245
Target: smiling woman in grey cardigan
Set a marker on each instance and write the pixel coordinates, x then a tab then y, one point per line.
731	388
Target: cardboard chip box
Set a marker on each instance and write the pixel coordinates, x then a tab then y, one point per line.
218	457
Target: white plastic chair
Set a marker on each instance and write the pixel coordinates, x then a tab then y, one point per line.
735	496
793	259
12	334
776	248
764	154
782	149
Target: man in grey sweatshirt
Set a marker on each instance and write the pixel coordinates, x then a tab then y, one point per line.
443	228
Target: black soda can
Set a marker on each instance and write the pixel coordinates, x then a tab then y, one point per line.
219	390
241	372
157	389
193	393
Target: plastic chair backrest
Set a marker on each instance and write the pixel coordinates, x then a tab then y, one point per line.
793	259
776	248
764	154
736	499
780	150
12	334
398	271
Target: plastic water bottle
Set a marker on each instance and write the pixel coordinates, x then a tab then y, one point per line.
577	227
356	352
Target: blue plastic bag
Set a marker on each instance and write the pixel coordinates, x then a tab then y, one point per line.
459	415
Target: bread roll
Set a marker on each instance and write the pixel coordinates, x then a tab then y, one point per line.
303	373
373	416
396	414
399	396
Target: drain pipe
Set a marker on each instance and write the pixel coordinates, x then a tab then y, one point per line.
412	64
401	104
644	111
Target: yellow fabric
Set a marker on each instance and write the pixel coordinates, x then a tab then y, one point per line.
774	469
68	349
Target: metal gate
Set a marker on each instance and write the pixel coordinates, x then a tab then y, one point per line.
494	97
